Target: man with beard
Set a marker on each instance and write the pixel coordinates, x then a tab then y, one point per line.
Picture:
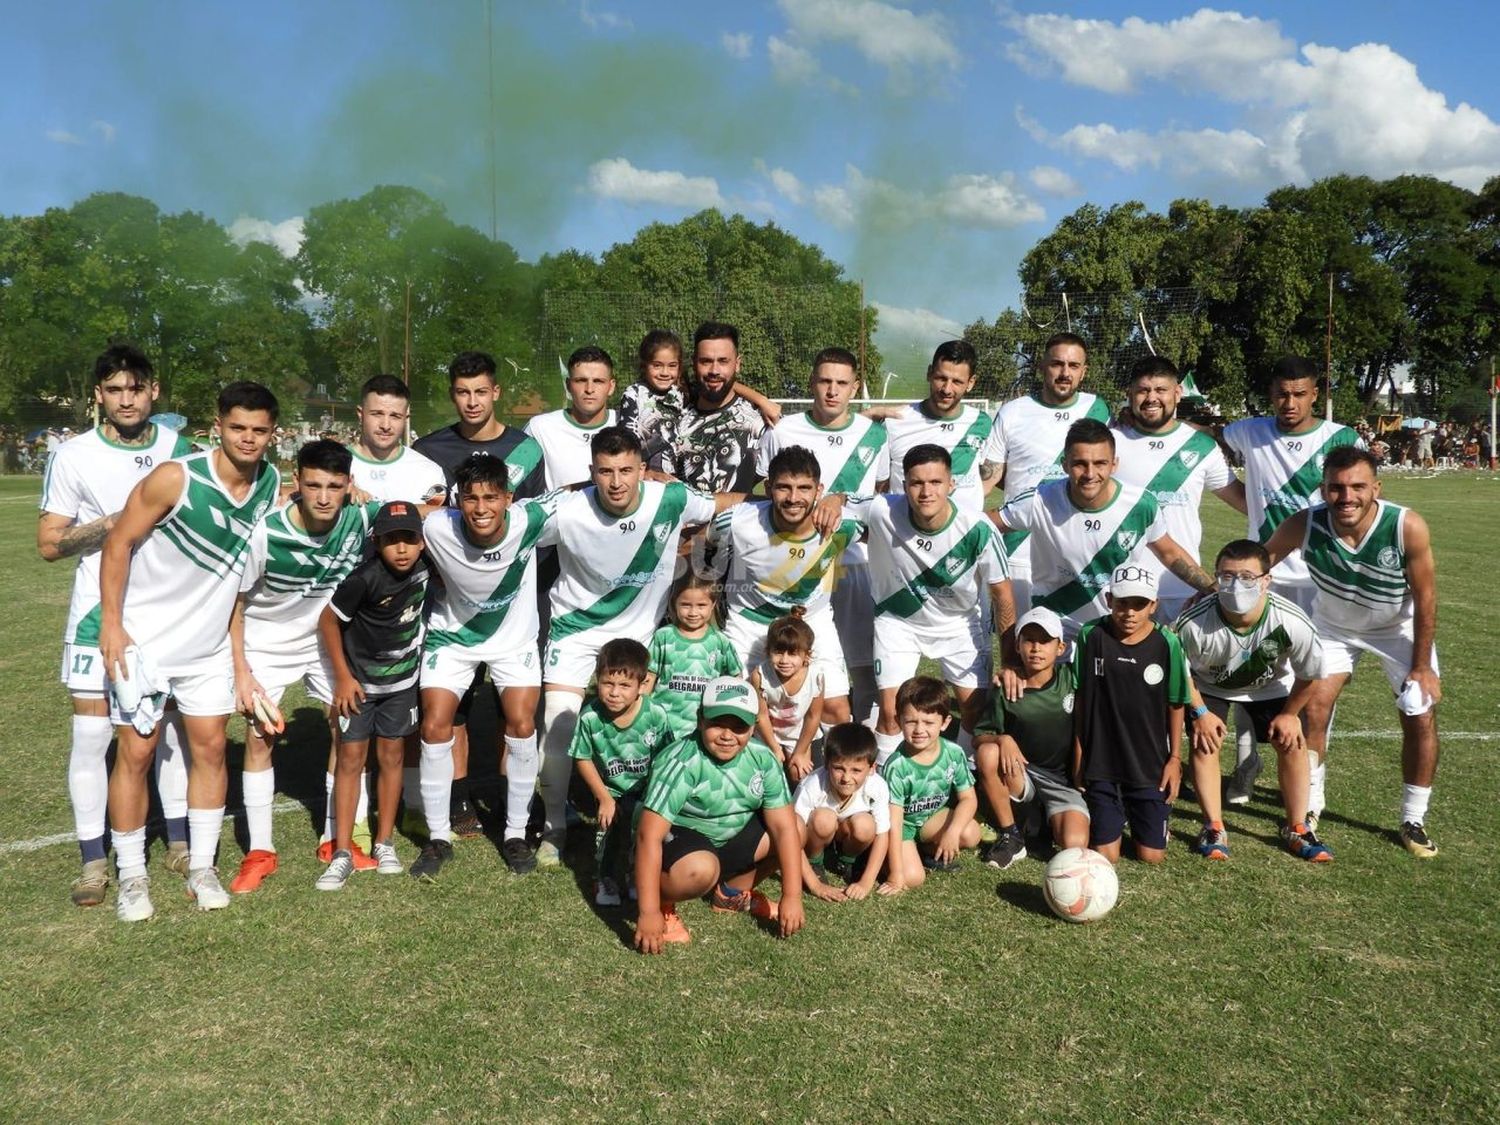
711	445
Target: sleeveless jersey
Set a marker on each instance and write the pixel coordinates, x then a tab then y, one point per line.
487	600
1364	586
768	573
566	455
1259	663
407	476
963	436
90	477
185	575
682	667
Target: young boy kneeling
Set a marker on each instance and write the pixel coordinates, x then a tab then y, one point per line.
845	805
716	816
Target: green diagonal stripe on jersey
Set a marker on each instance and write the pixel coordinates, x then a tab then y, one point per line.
967	447
1097	412
1077	593
1181	464
637	572
521	461
1302	484
799	591
483	625
943	572
852	475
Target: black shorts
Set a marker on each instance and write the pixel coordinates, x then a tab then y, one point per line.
1261	712
735	856
382	716
1111	805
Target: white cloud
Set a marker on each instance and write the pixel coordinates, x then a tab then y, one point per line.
737	44
924	324
987	201
884	34
836	205
105	130
63	137
1053	181
787	185
602	20
790	63
617	178
286	235
1236	154
968	200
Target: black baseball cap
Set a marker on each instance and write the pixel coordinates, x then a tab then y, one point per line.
398	515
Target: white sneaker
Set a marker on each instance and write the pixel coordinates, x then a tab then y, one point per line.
1242	780
337	873
134	901
549	851
387	862
606	892
203	887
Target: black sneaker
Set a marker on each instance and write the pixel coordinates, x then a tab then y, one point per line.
434	854
465	821
1007	848
932	863
518	855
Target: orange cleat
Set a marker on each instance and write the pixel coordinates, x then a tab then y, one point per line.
254	869
753	903
363	861
673	932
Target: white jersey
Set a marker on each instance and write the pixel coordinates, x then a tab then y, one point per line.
853	458
88	478
1175	466
487	601
873	797
768	574
964	437
407	476
185	575
1259	663
566	454
616	571
788	709
1283	475
1074	552
937	582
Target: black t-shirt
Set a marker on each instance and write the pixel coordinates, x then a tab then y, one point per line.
520	452
382	615
1122	698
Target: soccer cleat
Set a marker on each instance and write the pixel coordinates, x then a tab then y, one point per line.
337	873
1007	848
204	888
465	822
753	903
518	855
1415	837
606	892
89	887
253	871
673	932
1213	843
549	851
387	862
1303	843
177	858
134	901
1313	816
361	834
1242	780
434	854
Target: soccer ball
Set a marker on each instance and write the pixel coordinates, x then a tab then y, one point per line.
1080	885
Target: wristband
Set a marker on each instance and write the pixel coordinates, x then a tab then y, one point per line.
1198	712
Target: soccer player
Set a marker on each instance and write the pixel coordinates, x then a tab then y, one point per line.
483	617
1249	646
169	576
716	817
383	465
1176	463
1085	527
1372	564
853	460
617	550
1025	443
564	435
711	444
936	570
943	418
775	561
298	555
84	489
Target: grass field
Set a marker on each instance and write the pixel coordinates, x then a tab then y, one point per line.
1260	989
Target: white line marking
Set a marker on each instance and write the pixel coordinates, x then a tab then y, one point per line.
37	843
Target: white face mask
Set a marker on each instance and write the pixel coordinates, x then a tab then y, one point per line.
1239	598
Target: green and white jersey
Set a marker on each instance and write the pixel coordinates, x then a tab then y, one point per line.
290	576
566	456
1041	721
185	575
1175	466
1363	586
853	457
616	571
964	437
1258	663
88	478
407	476
937	582
692	789
487	601
621	755
1027	438
682	667
768	574
1283	475
922	790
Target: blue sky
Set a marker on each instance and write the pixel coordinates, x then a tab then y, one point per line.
925	146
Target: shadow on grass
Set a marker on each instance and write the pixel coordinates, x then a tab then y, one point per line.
1025	896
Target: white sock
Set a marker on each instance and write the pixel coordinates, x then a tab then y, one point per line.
204	826
327	807
1414	800
88	779
559	718
522	764
362	804
130	853
885	746
260	794
437	787
1244	735
411	788
1316	774
172	767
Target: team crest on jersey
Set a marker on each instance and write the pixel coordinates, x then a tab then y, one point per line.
661	532
949	773
1389	558
866	455
953	566
1270	648
1126	539
1152	674
1189	457
758	784
1068	703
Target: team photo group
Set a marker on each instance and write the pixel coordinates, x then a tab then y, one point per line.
731	642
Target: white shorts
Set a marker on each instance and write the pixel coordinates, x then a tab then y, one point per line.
452	669
749	641
275	675
964	661
1169	609
853	613
570	661
1301	594
1392	644
206	694
82	669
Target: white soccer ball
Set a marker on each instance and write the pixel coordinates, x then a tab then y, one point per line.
1080	885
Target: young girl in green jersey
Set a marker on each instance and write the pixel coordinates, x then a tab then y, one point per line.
689	651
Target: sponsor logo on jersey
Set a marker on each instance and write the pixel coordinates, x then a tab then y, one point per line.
1152	674
1388	557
